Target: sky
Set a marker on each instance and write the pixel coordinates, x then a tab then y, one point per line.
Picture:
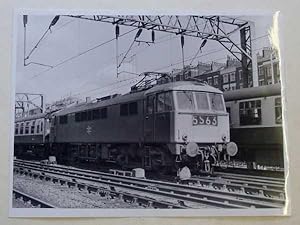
94	74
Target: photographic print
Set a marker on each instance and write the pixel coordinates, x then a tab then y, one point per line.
144	114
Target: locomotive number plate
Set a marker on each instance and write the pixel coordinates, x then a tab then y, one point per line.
205	120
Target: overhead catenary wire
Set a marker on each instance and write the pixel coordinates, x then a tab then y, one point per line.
120	54
179	62
193	58
81	53
40	43
53	22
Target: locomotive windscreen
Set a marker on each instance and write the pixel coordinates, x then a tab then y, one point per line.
216	102
189	100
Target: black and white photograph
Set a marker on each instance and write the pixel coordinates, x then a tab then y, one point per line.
147	114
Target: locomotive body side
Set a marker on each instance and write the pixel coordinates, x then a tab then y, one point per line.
101	122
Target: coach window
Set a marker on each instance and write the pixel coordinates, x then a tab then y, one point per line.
250	112
42	125
202	101
278	111
103	113
17	128
38	127
22	128
124	110
133	108
32	127
27	128
185	100
63	119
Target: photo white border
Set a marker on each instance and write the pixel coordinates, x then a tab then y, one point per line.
112	212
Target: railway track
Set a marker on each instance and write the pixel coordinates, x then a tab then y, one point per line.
185	195
251	172
34	202
259	186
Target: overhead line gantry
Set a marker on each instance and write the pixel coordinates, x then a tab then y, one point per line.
216	28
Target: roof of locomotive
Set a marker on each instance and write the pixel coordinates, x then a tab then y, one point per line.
91	105
134	96
254	92
183	86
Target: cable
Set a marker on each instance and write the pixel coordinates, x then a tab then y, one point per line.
212	52
179	62
80	54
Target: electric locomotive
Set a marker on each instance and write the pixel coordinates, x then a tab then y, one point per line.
166	126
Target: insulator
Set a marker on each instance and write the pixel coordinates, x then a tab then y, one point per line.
182	41
153	36
117	31
203	43
54	21
25	20
138	33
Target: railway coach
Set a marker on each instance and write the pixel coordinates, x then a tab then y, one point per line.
256	124
164	126
32	136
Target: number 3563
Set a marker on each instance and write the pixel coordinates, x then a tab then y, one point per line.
205	120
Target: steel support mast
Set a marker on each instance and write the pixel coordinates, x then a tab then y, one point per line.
28	101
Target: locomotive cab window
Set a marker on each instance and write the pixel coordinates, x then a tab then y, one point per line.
202	102
150	104
185	100
250	112
216	102
164	102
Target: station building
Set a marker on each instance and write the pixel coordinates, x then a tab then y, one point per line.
229	75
